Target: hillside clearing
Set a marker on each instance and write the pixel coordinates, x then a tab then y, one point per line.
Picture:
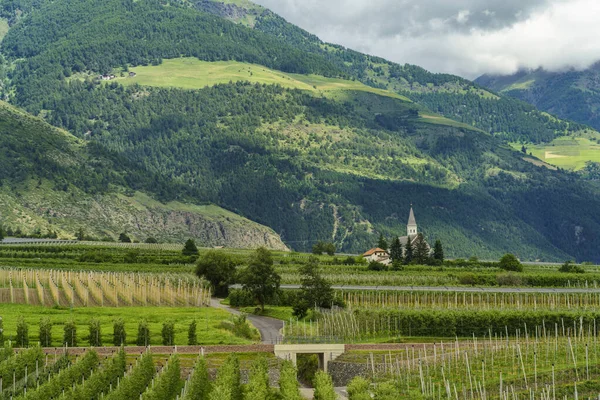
566	152
191	73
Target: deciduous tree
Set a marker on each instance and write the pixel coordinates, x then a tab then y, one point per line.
219	269
260	277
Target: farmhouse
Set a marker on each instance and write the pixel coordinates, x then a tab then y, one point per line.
378	255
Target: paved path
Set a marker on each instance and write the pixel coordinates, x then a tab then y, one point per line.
467	289
268	327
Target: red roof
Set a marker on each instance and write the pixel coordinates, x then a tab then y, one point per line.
373	251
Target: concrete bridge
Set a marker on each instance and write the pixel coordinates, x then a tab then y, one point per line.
326	352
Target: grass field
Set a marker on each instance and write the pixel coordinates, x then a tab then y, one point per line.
191	73
566	152
208	323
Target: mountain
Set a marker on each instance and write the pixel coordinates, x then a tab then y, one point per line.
228	104
571	94
52	182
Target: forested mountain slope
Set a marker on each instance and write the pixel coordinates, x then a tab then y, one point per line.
449	95
573	95
341	164
52	183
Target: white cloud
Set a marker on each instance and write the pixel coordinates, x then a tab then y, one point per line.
465	37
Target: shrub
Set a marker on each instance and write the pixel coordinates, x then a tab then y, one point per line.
570	267
227	386
192	337
324	387
22	337
70	334
143	335
199	385
240	327
358	389
509	262
258	387
376	266
1	332
45	332
288	382
119	335
95	333
509	279
151	240
167	385
168	333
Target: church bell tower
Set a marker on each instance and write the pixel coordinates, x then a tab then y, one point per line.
411	227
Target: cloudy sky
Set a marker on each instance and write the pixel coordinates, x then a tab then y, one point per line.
464	37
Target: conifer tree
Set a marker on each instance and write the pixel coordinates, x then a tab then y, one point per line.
396	250
95	333
408	251
22	338
119	335
70	334
192	337
438	251
190	249
382	243
421	250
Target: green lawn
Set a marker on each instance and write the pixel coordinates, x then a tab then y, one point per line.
208	321
191	73
566	152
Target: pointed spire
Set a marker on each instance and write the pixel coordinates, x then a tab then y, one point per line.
411	217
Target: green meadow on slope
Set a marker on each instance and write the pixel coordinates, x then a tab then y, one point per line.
566	152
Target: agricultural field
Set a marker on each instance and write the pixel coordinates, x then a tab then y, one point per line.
213	325
537	365
566	152
30	375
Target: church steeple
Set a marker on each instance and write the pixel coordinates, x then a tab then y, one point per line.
411	227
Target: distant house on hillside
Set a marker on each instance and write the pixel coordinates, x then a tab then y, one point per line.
132	74
106	77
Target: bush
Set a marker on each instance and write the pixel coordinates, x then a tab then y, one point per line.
143	335
227	386
192	337
258	387
22	337
119	334
358	389
509	279
288	382
324	387
168	333
70	334
95	333
509	262
239	326
45	332
570	267
199	385
376	266
151	240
